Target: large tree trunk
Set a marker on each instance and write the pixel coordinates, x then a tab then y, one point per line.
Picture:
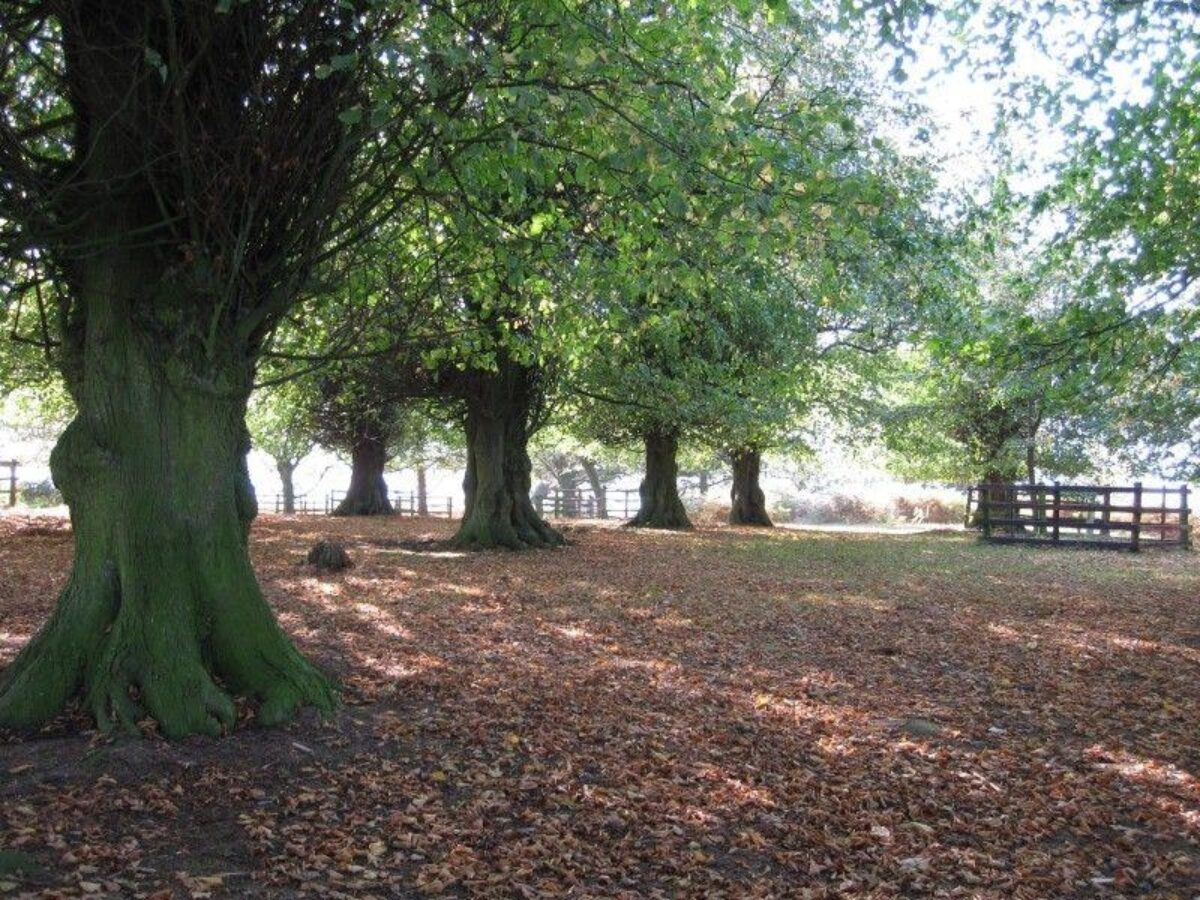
597	486
499	512
749	505
995	491
162	616
659	490
422	493
368	492
287	472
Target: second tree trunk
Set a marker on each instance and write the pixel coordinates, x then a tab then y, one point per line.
661	506
498	510
368	493
749	505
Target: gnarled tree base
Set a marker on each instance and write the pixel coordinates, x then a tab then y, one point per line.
367	494
127	667
659	492
162	618
372	503
514	525
498	510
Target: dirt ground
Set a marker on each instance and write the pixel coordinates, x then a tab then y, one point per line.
712	714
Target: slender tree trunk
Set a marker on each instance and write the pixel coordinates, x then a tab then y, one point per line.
703	483
287	471
659	490
749	505
597	486
368	492
499	511
162	616
422	493
1031	462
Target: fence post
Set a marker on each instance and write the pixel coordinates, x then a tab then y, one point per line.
1057	509
1135	541
12	482
1185	527
985	511
967	515
449	507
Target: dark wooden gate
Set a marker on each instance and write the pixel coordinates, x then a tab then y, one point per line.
1123	517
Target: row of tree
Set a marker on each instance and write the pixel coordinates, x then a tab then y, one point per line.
698	223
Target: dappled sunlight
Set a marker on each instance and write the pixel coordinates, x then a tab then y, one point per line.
731	700
571	632
1179	789
381	621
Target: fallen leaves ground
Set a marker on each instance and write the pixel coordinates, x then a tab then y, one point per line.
717	714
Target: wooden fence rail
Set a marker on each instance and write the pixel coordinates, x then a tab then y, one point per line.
1130	517
403	504
583	504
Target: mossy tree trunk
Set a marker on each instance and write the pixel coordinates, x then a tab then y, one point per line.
162	615
368	491
749	504
659	491
178	222
499	512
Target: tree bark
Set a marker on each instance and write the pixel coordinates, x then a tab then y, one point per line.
162	615
287	471
597	486
422	493
995	491
749	505
368	492
499	512
1031	462
659	490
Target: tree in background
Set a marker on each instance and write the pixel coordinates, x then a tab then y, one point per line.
430	440
1108	222
281	425
986	395
354	417
561	456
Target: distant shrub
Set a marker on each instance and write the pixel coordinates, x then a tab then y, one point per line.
786	508
41	494
928	509
838	509
708	513
846	509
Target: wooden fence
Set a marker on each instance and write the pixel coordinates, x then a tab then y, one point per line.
1126	517
403	504
583	504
